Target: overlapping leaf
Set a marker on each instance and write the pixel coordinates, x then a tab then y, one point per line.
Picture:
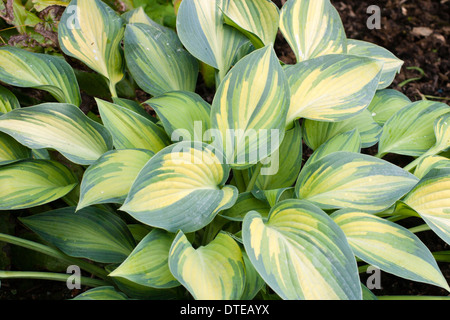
21	68
90	233
332	87
212	272
181	188
386	103
12	151
245	202
288	249
249	109
109	179
351	180
59	126
389	246
8	101
312	28
31	183
91	31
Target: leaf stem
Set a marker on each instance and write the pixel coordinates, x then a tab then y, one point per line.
91	268
255	176
86	281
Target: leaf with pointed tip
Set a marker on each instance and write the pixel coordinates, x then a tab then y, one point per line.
101	293
391	64
22	68
109	179
429	163
31	183
59	126
332	87
184	115
301	253
312	28
181	188
389	246
91	31
317	133
410	131
130	130
212	272
8	101
386	103
148	264
351	180
257	19
12	151
202	31
249	108
157	63
90	233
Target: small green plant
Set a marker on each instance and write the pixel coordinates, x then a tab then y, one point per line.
219	201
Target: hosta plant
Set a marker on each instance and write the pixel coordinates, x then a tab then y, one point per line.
270	190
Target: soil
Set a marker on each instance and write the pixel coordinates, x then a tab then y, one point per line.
416	31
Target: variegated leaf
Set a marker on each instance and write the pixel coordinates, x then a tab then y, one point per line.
349	141
181	188
92	32
332	87
138	15
130	130
202	31
430	162
148	264
410	131
442	133
391	64
8	101
59	126
312	28
22	68
301	253
253	281
249	108
257	19
430	198
317	133
389	246
90	233
351	180
101	293
109	179
12	151
31	183
184	115
158	63
386	103
245	202
212	272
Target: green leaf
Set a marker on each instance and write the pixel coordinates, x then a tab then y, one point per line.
213	272
59	126
249	108
183	114
430	198
31	183
181	188
101	293
12	151
90	233
301	253
138	15
410	131
109	179
391	64
148	264
386	103
351	180
202	31
442	133
130	130
90	31
8	101
253	281
430	162
312	28
317	133
245	202
257	19
157	63
21	68
332	87
389	246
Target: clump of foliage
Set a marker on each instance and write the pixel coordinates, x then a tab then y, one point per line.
218	201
